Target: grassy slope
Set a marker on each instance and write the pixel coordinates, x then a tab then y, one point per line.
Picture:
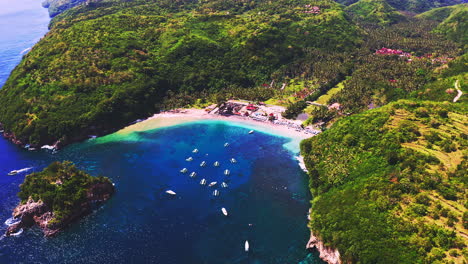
453	21
104	65
389	184
324	99
376	12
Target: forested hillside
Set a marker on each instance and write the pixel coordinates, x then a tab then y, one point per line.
389	184
104	65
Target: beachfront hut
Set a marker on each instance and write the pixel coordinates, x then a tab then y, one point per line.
252	107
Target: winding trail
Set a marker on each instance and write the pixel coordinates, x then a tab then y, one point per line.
457	86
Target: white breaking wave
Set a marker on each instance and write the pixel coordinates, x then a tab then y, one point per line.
25	51
18	233
11	221
48	147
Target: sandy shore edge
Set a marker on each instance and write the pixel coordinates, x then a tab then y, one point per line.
181	116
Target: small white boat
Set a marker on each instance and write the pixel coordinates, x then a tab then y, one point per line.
224	185
203	182
14	172
251	132
246	246
224	211
189	159
171	192
226	144
184	170
195	151
216	164
233	160
227	172
203	164
193	174
215	193
212	184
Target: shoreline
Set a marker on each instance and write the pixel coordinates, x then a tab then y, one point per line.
181	116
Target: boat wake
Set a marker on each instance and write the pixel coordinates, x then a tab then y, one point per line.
24	170
14	172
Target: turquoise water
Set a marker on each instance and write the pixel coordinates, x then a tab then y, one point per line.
267	200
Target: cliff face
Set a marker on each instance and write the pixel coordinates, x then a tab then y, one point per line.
38	213
327	254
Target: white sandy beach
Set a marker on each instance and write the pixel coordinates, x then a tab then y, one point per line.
181	116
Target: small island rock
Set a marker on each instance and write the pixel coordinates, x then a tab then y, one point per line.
57	196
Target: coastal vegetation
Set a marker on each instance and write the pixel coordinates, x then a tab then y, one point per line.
389	184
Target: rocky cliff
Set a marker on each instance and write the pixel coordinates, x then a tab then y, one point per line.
327	254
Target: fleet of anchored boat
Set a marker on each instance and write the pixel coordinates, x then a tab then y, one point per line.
203	181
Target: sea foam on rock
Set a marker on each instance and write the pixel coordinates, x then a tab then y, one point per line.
327	254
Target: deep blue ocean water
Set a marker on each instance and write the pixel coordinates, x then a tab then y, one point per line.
267	200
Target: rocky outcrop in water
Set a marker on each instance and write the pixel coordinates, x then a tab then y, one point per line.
38	213
327	254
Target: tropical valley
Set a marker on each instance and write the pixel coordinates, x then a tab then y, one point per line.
377	89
